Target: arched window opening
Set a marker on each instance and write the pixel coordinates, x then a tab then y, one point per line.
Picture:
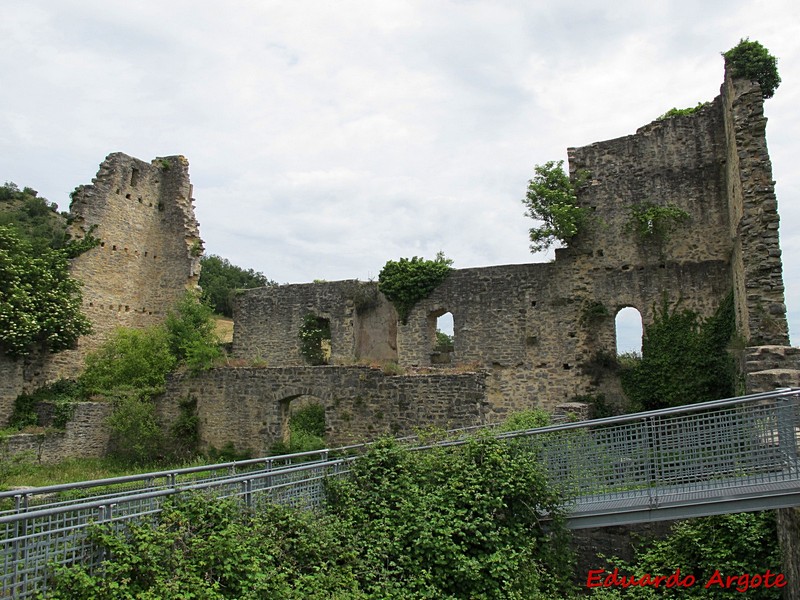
628	323
302	425
442	336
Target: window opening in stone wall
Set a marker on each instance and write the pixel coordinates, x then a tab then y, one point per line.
134	179
628	326
315	340
443	336
302	425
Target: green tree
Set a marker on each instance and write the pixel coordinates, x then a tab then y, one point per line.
191	335
407	281
34	218
751	60
40	304
552	198
220	279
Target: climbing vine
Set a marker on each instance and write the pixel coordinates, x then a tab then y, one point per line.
684	358
312	333
654	222
407	281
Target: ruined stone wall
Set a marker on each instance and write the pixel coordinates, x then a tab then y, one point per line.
85	436
756	258
268	321
149	255
526	324
249	406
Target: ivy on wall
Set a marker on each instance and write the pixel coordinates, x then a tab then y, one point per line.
407	281
312	333
684	359
654	222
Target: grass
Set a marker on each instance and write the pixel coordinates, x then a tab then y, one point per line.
78	469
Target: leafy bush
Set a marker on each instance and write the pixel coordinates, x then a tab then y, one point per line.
407	281
682	112
684	359
136	437
136	360
751	60
191	335
219	280
552	198
306	431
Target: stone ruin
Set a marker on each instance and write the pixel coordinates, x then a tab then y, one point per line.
522	333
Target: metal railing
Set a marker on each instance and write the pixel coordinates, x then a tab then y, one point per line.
722	456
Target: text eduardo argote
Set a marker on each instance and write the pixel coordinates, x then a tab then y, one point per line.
740	583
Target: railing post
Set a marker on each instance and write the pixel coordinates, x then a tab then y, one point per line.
787	433
652	467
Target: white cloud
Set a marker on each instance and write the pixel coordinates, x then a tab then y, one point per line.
325	138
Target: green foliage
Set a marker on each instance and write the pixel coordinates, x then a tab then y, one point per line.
220	279
552	198
682	112
650	221
684	359
751	60
39	302
306	431
734	544
62	393
457	522
228	453
191	335
444	342
592	313
34	219
526	419
183	441
135	434
135	360
312	333
212	550
407	281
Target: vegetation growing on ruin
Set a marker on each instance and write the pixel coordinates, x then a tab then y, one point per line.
684	360
734	544
306	431
40	304
409	280
313	332
457	522
220	279
553	199
751	60
683	112
654	222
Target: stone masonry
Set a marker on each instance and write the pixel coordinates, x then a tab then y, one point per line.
528	325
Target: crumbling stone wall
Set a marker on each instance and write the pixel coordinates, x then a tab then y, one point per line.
149	255
249	406
528	325
86	435
268	321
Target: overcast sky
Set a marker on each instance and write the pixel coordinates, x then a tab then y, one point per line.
325	138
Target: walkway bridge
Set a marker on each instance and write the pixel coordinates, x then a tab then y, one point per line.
734	455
